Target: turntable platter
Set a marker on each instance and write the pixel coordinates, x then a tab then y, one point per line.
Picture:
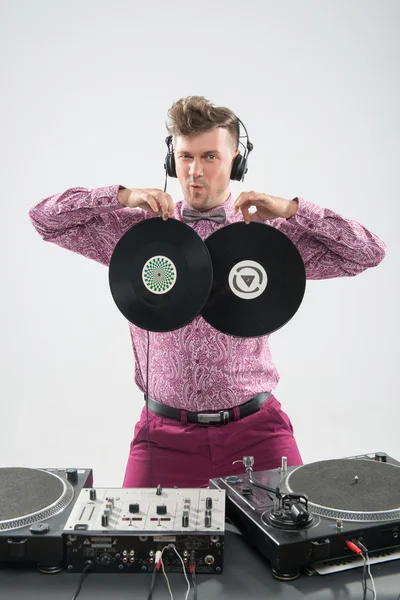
28	496
354	490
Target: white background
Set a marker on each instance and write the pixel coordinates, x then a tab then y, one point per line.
85	90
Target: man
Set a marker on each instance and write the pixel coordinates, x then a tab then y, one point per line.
198	369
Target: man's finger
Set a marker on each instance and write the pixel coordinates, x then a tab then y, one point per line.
151	201
163	202
245	212
246	197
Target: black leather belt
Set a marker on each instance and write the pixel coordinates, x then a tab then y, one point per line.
219	417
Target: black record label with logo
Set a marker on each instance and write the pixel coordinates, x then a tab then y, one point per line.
160	274
258	282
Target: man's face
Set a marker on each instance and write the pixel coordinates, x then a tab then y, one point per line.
205	160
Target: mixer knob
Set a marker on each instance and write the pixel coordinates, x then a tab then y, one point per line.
161	509
72	475
134	508
208	502
92	494
107	512
104	520
381	457
159	490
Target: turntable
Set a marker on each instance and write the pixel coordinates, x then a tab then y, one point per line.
34	507
305	517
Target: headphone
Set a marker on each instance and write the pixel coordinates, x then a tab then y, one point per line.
239	167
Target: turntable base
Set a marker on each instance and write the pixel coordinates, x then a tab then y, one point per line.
355	498
34	506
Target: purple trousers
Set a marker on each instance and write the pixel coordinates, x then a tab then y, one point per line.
188	455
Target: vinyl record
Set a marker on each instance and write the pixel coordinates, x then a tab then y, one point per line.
259	280
160	274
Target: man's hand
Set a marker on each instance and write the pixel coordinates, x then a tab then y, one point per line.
268	207
152	200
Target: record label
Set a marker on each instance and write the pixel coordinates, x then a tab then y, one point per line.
248	279
159	274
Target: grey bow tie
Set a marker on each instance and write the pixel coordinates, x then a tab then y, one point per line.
216	214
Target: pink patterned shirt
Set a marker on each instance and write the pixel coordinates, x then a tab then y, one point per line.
197	367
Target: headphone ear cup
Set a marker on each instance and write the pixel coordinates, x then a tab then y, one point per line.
235	166
238	168
170	165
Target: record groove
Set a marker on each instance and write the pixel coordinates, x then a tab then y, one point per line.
160	274
258	280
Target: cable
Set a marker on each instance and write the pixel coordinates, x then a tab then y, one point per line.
371	578
153	580
184	569
147	412
192	569
159	563
354	546
194	585
165	575
166	179
358	548
157	566
364	577
83	577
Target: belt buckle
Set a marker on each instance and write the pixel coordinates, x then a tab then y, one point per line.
224	416
221	417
